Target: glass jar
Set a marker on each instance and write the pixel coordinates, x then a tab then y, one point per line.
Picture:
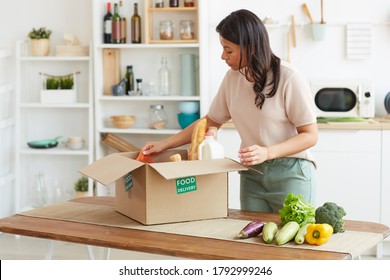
189	3
159	3
157	117
186	30
166	30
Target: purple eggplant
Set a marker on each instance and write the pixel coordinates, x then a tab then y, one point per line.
252	229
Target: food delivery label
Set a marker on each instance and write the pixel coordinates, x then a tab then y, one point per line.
128	182
186	184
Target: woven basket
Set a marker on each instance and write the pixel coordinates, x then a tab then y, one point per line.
40	47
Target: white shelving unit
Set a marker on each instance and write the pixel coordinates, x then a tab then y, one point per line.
7	123
145	59
41	121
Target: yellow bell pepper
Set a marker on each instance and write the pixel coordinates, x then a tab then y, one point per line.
318	234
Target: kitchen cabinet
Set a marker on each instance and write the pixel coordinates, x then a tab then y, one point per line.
7	123
385	196
146	61
348	171
36	120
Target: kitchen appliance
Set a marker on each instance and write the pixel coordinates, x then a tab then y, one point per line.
344	99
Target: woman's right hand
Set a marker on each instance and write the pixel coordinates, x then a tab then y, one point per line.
152	148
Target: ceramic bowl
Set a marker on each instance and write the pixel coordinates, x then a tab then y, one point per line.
124	121
75	145
189	107
187	119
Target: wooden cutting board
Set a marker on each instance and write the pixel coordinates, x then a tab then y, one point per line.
111	70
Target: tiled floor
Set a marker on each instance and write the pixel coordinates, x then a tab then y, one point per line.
27	248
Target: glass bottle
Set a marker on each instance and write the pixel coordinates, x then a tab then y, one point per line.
116	26
189	3
136	26
164	77
139	86
123	23
39	191
173	3
166	30
157	117
107	25
130	80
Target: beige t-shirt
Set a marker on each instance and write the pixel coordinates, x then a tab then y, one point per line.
292	106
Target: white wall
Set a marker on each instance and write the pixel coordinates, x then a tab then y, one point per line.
319	60
60	16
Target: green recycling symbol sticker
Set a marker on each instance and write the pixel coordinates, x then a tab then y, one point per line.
185	184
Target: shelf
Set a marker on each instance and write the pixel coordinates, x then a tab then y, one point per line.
55	105
173	41
33	118
169	9
54	151
149	98
140	131
153	14
54	58
159	45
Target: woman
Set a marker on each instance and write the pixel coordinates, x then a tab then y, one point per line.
270	103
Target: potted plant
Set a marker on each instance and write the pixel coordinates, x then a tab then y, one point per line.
40	41
81	187
58	89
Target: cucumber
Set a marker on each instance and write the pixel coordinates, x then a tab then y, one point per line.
269	232
300	237
287	233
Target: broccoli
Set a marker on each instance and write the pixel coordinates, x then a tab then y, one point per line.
332	214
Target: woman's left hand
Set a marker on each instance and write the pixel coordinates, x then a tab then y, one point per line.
252	155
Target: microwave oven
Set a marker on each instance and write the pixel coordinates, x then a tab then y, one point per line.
342	99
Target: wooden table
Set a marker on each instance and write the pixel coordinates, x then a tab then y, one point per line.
171	244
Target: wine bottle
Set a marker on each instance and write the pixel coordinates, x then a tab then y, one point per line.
107	25
136	26
123	23
130	80
174	3
116	26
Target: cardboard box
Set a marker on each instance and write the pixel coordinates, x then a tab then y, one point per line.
166	192
64	50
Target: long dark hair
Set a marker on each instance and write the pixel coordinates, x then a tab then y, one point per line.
245	29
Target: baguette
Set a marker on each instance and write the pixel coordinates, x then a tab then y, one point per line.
197	138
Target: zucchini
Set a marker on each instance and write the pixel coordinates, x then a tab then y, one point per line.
287	233
300	237
269	232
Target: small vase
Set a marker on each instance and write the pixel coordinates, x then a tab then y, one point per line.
40	47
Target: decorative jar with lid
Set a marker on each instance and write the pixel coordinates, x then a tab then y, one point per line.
186	30
157	117
166	30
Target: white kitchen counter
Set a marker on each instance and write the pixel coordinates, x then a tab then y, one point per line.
375	124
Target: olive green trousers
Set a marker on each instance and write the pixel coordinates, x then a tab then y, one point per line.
266	192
